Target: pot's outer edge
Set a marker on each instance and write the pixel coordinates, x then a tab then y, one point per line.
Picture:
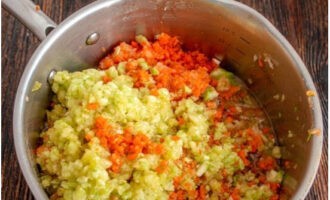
20	145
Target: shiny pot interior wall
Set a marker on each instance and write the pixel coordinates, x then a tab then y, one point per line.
216	28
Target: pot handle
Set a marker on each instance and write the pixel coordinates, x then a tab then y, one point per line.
31	16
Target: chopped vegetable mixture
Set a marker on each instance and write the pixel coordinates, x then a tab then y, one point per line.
156	122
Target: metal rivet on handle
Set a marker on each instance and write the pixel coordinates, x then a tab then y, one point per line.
51	75
92	38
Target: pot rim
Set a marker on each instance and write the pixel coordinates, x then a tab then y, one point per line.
19	139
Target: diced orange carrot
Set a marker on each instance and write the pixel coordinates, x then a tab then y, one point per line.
211	104
106	63
218	115
255	140
175	138
212	141
213	82
172	196
242	155
229	120
158	149
116	162
274	186
275	197
132	156
88	137
123	146
202	193
266	130
193	194
106	79
177	180
37	8
266	163
181	195
104	142
177	195
92	106
187	186
287	164
134	44
45	138
197	179
225	188
230	92
115	168
235	194
100	122
262	178
162	167
154	92
224	173
140	76
41	149
181	121
232	110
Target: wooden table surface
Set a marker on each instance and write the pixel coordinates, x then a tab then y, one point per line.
302	22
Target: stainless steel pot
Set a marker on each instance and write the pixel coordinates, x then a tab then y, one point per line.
225	29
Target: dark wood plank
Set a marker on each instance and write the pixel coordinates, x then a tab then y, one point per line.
17	46
303	23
